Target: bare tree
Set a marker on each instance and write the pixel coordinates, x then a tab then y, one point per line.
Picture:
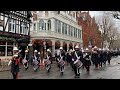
115	14
109	31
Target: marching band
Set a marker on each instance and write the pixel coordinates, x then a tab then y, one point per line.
76	58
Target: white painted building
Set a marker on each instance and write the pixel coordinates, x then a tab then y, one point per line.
56	28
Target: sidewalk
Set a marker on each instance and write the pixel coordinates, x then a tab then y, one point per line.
7	68
4	68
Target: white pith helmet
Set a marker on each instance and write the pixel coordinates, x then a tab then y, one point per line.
61	47
86	49
15	49
38	52
48	50
100	49
83	51
26	50
95	47
76	46
35	51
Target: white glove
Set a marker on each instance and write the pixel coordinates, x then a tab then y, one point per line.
72	59
78	58
9	62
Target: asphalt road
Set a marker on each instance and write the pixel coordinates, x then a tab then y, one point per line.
106	72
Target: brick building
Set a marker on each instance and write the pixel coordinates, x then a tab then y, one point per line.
90	31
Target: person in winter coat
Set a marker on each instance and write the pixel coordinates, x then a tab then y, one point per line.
14	62
49	54
35	60
26	59
109	57
86	57
95	58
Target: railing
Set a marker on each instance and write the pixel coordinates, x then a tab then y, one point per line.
55	35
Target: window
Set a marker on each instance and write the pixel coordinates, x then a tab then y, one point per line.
55	25
59	27
77	33
1	17
65	29
11	25
22	28
68	12
74	32
2	50
69	30
26	29
9	50
58	12
45	26
34	26
80	34
2	43
74	14
49	24
41	25
17	27
6	47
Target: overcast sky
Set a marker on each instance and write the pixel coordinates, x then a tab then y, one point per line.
95	13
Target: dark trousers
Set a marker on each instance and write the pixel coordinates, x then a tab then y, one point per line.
61	68
101	63
15	75
87	67
109	61
77	73
96	65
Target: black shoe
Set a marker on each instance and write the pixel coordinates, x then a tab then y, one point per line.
75	76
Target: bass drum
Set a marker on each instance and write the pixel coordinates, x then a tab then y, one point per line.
61	62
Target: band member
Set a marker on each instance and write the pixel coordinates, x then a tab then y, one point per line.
61	60
26	59
86	57
94	57
62	53
35	60
15	63
49	54
48	60
77	58
39	57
